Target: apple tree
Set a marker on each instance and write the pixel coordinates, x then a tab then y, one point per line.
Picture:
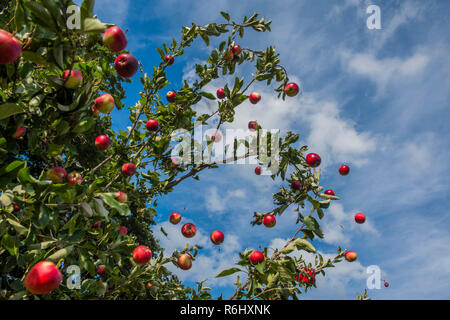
75	192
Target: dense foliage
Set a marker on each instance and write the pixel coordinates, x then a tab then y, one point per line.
54	221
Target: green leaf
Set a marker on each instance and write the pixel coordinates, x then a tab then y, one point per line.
313	225
84	125
260	267
228	272
288	249
55	150
208	95
87	9
225	15
20	229
9	109
11	167
35	58
303	244
123	208
94	25
11	244
61	254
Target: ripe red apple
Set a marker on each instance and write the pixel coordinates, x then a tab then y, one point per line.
122	197
16	208
329	192
217	237
253	126
189	230
114	39
175	162
360	217
126	65
10	47
296	185
74	178
269	221
309	280
185	261
123	230
256	257
236	49
142	255
152	125
169	59
254	97
291	89
313	160
386	284
128	169
344	170
57	174
175	218
96	225
20	132
74	80
43	278
350	256
228	55
258	171
221	93
101	269
171	96
104	103
216	137
102	142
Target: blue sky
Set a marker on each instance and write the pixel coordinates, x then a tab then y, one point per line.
377	100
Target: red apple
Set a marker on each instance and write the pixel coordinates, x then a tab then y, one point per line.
169	59
123	230
96	225
258	171
256	257
142	255
175	162
253	126
296	185
128	169
101	269
228	55
291	89
74	80
16	208
350	256
269	221
313	160
43	278
309	280
122	197
360	217
254	97
175	218
188	230
171	96
104	103
236	49
221	93
20	132
329	192
217	237
344	170
216	137
126	65
102	142
150	286
185	261
57	174
386	284
152	125
10	47
74	178
114	39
